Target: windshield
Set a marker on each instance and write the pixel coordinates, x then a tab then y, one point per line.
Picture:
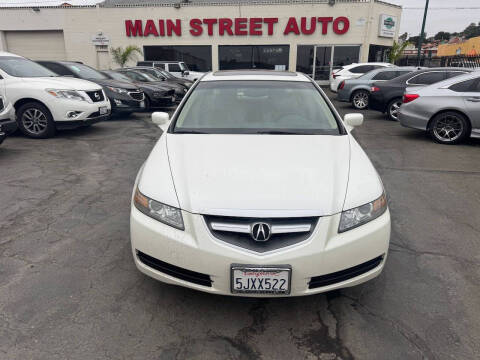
85	72
256	107
167	74
117	76
21	67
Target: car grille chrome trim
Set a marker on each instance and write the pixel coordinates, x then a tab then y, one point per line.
246	229
136	95
277	232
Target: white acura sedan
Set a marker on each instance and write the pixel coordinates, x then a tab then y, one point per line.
257	188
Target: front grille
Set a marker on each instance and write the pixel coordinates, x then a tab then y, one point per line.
175	271
171	92
342	275
276	241
96	96
136	95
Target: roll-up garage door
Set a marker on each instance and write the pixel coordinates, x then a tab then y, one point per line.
37	45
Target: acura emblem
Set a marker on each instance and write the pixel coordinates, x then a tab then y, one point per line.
260	231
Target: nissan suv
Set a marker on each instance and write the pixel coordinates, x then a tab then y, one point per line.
44	102
124	96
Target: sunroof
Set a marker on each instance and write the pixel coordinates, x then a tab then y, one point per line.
253	72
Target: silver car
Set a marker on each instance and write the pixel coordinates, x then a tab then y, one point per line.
448	110
357	90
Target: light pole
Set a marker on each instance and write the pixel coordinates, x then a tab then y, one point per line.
420	38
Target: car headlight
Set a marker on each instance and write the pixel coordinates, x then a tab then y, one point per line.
360	215
67	94
117	90
164	213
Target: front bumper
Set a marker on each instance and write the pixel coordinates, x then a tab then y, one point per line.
196	250
60	109
73	124
124	104
375	102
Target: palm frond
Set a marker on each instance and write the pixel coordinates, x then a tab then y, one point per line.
122	56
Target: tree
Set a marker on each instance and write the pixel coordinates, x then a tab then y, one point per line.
403	37
471	30
442	35
122	56
396	51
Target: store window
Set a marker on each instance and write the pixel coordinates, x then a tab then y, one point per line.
378	53
272	57
305	59
345	55
197	57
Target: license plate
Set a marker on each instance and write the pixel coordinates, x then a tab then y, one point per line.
252	279
103	110
142	104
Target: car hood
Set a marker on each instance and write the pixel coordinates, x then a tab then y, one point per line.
61	82
116	83
153	86
259	175
166	85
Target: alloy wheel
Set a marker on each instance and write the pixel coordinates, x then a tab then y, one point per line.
34	121
448	128
360	100
394	107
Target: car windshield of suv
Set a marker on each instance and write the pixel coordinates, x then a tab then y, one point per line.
21	67
85	72
167	74
117	76
256	107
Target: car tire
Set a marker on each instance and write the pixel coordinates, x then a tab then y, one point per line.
360	99
35	120
393	107
449	128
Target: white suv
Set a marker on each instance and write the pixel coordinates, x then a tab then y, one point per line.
353	71
45	102
176	68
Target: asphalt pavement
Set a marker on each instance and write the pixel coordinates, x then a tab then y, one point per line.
69	288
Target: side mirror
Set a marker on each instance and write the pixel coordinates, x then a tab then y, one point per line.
161	119
186	72
353	120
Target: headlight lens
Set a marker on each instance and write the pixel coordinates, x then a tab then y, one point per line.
67	94
118	90
164	213
360	215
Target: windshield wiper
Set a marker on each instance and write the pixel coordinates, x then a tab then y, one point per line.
279	132
189	132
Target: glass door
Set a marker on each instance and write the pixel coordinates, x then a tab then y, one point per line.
322	61
345	55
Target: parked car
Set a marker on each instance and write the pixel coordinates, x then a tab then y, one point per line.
448	110
8	123
176	68
124	96
353	71
386	96
357	90
325	226
156	95
164	75
7	118
172	93
44	102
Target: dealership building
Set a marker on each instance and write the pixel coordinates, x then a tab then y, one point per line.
312	36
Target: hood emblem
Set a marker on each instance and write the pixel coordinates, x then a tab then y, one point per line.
260	231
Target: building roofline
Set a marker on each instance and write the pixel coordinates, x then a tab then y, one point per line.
175	3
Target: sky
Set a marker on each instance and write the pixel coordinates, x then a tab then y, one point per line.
443	15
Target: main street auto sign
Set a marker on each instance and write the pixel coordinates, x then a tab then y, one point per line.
387	26
236	26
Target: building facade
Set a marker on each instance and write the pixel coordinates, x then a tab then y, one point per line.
311	36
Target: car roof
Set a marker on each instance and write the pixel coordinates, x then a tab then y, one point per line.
270	75
414	73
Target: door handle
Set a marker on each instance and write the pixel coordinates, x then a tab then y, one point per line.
474	99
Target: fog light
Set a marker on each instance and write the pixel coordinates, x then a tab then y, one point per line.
73	114
117	102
